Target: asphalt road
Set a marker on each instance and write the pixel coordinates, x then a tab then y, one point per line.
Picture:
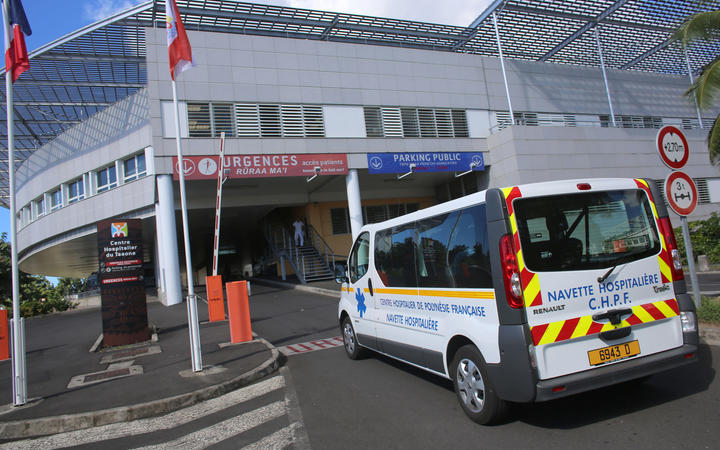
379	403
709	282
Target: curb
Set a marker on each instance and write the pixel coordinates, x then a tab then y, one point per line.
70	422
299	287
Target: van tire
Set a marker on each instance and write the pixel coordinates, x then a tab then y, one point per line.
350	342
473	387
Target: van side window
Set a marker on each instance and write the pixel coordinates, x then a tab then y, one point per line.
468	251
395	256
433	268
359	258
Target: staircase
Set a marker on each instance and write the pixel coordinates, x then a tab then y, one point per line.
312	265
307	261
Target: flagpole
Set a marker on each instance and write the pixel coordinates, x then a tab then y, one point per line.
18	356
195	351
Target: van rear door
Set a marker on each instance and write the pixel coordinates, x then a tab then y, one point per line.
596	275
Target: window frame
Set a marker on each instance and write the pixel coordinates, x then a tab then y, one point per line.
109	184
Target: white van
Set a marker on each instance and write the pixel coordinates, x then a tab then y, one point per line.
523	294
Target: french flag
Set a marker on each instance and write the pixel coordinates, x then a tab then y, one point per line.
16	55
179	50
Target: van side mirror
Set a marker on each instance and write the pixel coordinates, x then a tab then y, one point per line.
340	275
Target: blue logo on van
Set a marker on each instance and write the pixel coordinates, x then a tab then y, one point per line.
360	302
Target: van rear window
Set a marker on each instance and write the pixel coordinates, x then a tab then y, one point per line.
585	230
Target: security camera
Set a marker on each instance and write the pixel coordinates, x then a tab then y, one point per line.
317	169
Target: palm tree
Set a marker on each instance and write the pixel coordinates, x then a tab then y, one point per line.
705	26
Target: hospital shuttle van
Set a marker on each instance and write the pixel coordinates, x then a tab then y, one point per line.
524	294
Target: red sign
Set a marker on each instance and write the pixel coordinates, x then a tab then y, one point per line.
262	166
673	147
681	193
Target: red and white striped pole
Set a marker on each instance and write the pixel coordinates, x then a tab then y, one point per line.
218	202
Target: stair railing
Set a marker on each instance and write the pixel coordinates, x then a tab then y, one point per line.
321	247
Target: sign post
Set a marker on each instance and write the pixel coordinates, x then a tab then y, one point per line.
680	190
682	196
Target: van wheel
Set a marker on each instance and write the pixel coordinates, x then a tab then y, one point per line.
352	347
473	387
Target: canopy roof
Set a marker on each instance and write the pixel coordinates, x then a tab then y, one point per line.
82	73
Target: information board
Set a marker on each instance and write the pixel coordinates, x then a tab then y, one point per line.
122	286
424	162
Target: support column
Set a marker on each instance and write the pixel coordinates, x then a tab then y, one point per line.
167	240
354	206
502	67
602	66
692	82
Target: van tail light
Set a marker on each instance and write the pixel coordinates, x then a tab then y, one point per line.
669	235
511	273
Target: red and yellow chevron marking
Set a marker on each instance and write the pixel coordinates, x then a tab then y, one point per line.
585	326
530	281
664	258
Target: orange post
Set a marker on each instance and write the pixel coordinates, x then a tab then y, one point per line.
239	312
216	303
4	341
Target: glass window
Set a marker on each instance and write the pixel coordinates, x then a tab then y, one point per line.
55	199
39	206
359	258
339	220
134	167
433	238
76	191
395	256
468	250
199	119
586	231
106	179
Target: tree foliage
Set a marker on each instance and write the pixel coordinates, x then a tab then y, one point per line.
704	26
705	238
37	294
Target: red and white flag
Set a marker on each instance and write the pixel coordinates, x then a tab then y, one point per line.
16	27
179	50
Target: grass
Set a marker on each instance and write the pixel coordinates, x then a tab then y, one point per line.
709	310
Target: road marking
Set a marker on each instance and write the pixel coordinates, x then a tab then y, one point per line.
149	425
225	429
279	439
311	346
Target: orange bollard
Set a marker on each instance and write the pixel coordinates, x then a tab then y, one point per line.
216	304
4	341
239	312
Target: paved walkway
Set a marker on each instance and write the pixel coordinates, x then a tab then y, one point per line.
137	381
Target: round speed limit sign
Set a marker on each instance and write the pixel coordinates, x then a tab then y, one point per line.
673	147
681	193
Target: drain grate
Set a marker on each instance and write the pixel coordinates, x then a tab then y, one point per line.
130	354
105	375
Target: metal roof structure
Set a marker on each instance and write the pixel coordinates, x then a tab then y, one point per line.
88	70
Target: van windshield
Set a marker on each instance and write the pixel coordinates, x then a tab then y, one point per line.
587	230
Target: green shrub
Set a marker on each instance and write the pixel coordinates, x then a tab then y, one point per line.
709	310
705	238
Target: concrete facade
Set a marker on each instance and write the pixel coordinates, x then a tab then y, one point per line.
255	69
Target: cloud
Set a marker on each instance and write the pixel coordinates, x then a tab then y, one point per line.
102	9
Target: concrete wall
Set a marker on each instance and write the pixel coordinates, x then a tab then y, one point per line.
522	154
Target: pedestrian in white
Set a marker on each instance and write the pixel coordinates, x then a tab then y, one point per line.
299	235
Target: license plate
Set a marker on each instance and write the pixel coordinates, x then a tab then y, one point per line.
613	353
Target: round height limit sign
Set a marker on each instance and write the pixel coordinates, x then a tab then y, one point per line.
673	147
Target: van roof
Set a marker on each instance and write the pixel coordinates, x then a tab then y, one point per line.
528	190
